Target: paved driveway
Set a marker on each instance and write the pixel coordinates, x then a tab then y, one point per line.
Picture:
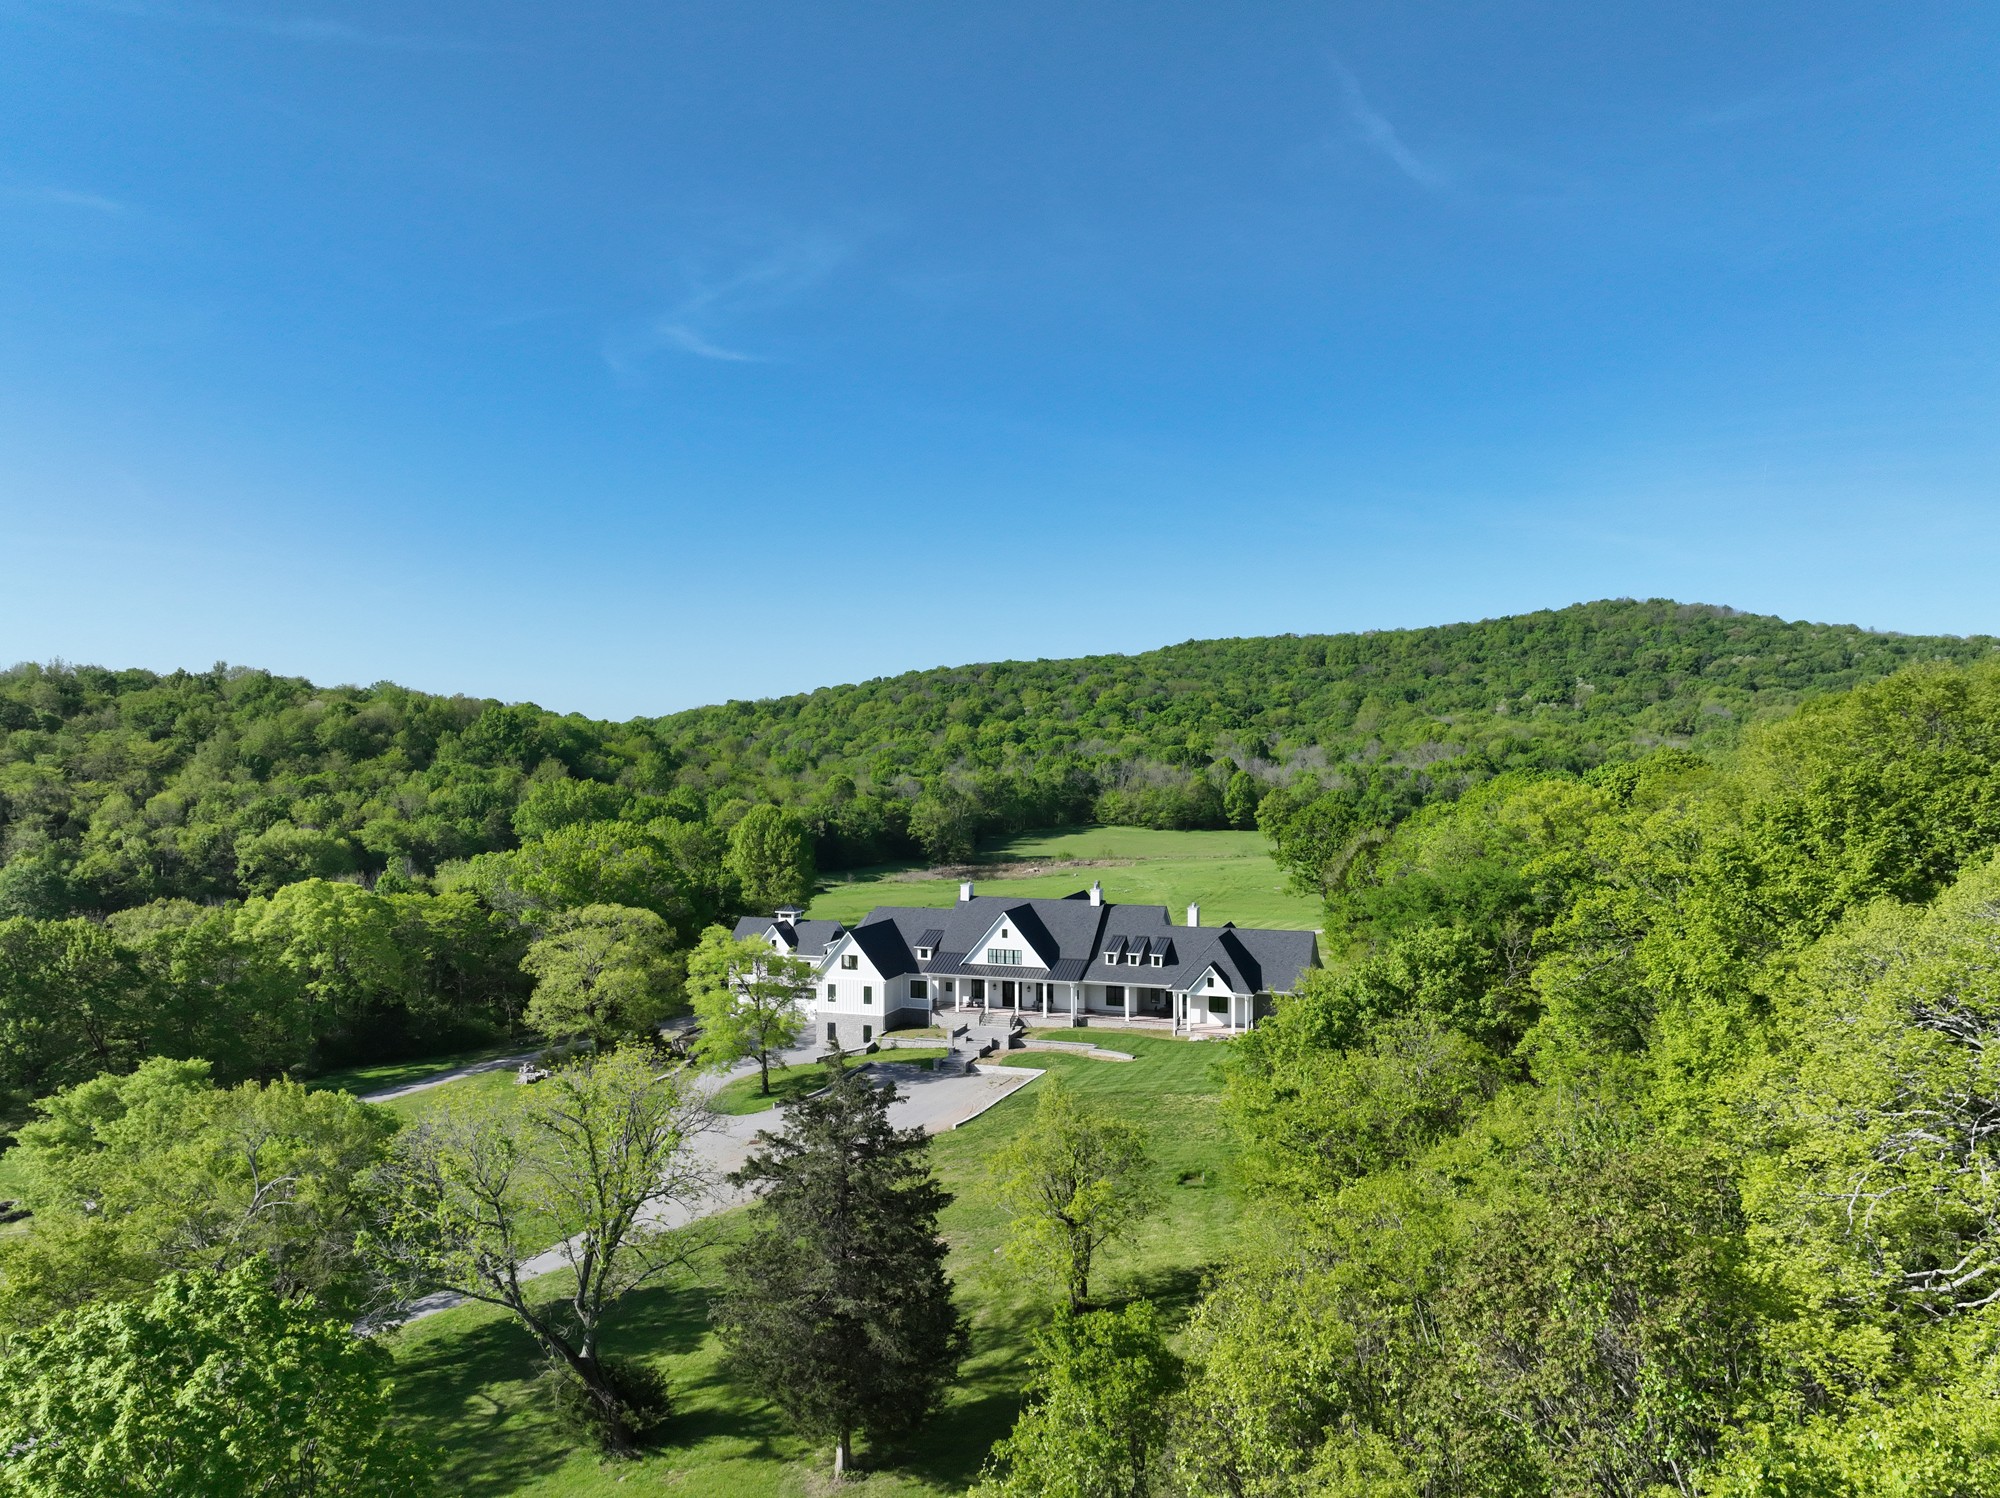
925	1101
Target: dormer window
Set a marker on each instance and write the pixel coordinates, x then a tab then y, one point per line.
1159	959
923	954
1131	959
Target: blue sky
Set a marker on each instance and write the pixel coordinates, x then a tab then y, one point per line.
635	356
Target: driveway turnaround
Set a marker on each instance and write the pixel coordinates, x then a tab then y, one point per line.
925	1101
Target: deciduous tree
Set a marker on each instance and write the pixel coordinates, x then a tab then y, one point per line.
603	972
596	1156
1099	1388
1074	1180
748	1001
770	853
214	1384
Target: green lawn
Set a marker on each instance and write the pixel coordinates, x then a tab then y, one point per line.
386	1074
465	1376
1229	874
502	1086
746	1094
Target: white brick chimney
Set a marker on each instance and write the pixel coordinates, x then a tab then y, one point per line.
1096	893
965	890
1194	915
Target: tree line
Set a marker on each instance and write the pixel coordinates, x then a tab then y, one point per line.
120	788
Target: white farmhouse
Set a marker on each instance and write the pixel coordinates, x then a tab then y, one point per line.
1045	961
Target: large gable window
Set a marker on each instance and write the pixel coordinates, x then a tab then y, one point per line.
1004	956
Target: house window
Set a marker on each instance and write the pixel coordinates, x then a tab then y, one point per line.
1005	934
1218	1005
1159	959
867	994
832	1033
1004	956
850	963
1131	959
918	989
832	989
867	1033
923	954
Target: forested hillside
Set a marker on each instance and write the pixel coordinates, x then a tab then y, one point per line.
277	875
121	787
1637	1138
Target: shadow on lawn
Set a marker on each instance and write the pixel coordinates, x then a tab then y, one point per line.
479	1410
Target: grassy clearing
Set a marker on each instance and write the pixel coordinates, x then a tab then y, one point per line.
465	1377
488	1086
386	1074
1229	874
746	1095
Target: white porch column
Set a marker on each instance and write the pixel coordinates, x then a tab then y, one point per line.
1129	991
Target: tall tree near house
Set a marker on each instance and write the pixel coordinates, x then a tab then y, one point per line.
748	1000
837	1307
602	972
1075	1180
771	855
596	1155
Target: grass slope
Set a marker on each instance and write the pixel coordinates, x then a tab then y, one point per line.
465	1377
1229	874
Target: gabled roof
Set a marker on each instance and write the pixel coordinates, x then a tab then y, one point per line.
1072	935
805	938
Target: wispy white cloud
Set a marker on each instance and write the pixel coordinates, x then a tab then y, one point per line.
64	197
1380	136
694	343
698	323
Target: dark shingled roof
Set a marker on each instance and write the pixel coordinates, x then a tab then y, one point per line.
1078	933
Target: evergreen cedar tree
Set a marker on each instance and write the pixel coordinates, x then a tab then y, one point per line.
836	1306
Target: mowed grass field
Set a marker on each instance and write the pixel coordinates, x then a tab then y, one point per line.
466	1378
1231	875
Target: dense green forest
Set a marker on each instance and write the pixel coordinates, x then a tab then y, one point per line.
1639	1135
121	787
279	876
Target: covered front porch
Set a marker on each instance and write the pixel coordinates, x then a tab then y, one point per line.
1037	1002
